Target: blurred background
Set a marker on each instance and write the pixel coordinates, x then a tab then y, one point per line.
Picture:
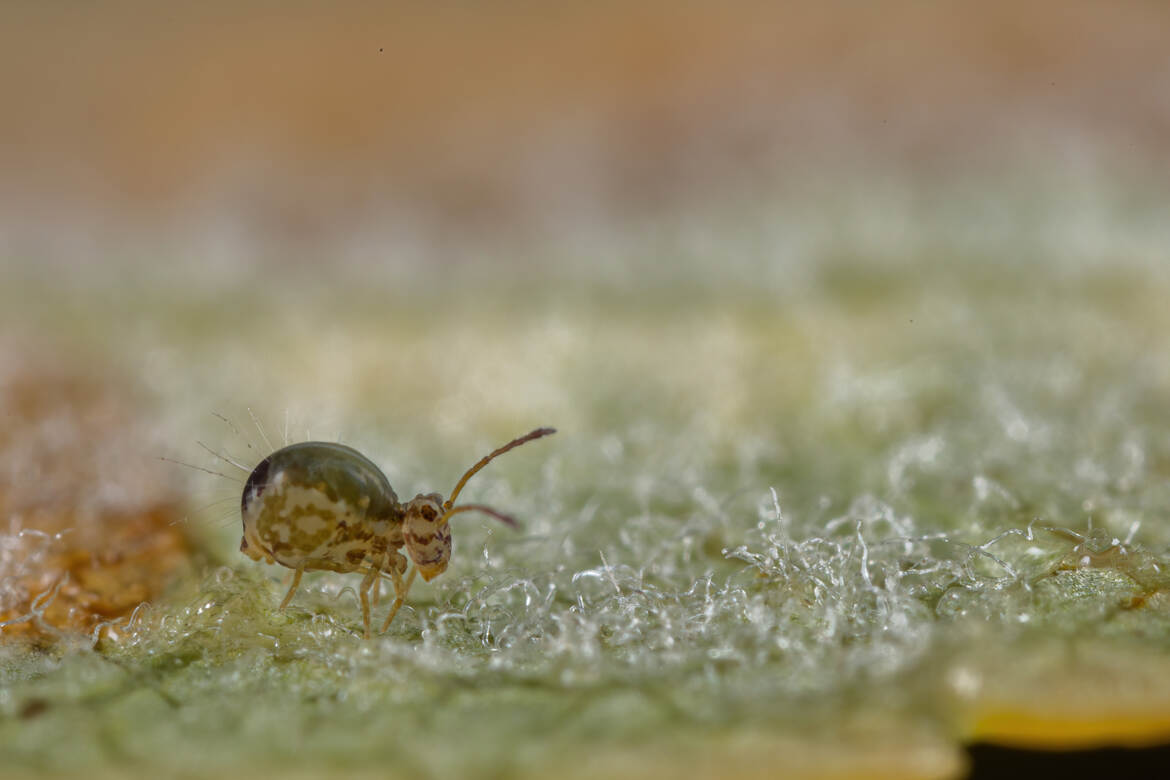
905	263
390	131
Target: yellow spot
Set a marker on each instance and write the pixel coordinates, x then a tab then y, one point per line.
1048	728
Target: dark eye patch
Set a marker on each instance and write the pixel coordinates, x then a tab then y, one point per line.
257	481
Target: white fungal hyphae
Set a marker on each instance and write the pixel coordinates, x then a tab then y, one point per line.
322	506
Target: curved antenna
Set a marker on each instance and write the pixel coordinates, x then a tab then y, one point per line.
488	458
487	510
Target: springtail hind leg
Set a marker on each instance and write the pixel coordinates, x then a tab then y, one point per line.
296	581
400	590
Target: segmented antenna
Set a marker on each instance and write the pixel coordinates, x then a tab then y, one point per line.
488	458
487	510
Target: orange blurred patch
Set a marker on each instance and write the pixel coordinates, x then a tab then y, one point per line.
300	118
90	526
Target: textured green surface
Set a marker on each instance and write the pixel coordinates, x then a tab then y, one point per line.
834	514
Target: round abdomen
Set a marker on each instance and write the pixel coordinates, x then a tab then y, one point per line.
318	505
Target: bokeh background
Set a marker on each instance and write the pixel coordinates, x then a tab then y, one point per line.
283	130
851	316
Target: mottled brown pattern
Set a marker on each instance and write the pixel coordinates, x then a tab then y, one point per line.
427	542
301	523
422	540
